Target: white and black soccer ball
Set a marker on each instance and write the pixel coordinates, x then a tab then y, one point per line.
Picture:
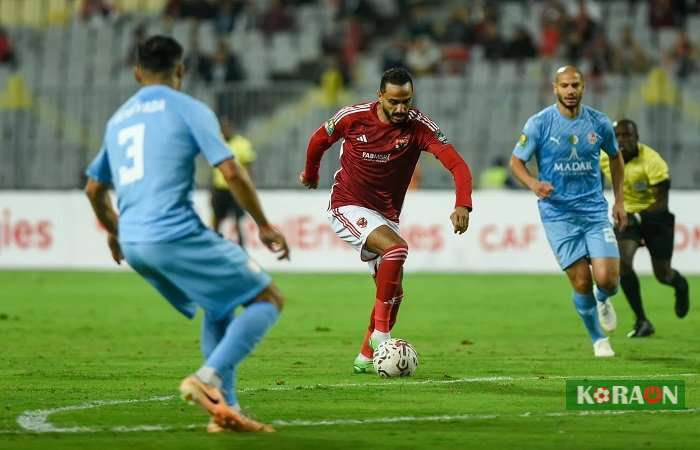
395	358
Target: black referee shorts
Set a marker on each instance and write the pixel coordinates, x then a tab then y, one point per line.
223	204
655	231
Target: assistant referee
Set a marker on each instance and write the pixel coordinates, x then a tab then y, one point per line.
650	223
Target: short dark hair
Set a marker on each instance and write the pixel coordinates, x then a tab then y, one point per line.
623	122
398	76
159	54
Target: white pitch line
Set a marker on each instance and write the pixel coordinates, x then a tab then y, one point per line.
376	420
466	417
495	379
37	420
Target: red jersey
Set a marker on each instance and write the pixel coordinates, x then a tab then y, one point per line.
377	160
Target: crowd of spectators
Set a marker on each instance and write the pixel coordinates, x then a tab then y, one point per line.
417	35
573	31
420	36
8	54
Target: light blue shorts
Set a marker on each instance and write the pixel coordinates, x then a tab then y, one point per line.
576	238
203	270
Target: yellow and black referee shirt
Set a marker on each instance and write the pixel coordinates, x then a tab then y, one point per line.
242	149
647	169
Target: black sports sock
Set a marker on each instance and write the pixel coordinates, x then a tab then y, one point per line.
630	286
678	281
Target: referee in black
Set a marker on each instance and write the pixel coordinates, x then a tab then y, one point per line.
649	223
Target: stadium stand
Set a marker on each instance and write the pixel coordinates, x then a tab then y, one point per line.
71	67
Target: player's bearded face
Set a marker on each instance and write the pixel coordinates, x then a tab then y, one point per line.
569	90
396	101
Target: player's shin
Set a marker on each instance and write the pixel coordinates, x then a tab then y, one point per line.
388	281
395	306
586	307
630	286
212	332
242	335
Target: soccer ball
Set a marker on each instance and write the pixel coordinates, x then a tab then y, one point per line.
395	358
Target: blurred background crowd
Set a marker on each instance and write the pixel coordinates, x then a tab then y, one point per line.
277	68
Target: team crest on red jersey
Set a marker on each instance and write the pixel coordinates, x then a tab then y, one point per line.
361	222
401	142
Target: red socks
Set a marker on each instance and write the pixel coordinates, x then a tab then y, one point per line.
366	349
388	280
389	294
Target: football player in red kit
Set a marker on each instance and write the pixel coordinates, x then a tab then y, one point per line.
381	142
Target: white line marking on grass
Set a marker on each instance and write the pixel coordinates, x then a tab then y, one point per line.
496	379
466	417
37	420
376	420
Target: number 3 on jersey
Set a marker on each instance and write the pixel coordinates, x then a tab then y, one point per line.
132	137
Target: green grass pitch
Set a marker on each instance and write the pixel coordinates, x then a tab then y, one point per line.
495	351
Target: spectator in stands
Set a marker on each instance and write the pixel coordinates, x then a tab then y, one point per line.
684	56
580	29
394	56
227	13
492	42
172	9
552	19
138	36
198	9
419	22
220	68
197	62
332	82
96	11
575	46
458	29
226	67
521	47
628	56
423	56
277	18
357	8
8	55
666	13
600	54
352	41
584	17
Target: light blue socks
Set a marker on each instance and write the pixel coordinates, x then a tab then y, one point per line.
602	295
212	333
586	308
227	342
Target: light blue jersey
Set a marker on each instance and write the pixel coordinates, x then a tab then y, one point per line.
148	155
568	157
